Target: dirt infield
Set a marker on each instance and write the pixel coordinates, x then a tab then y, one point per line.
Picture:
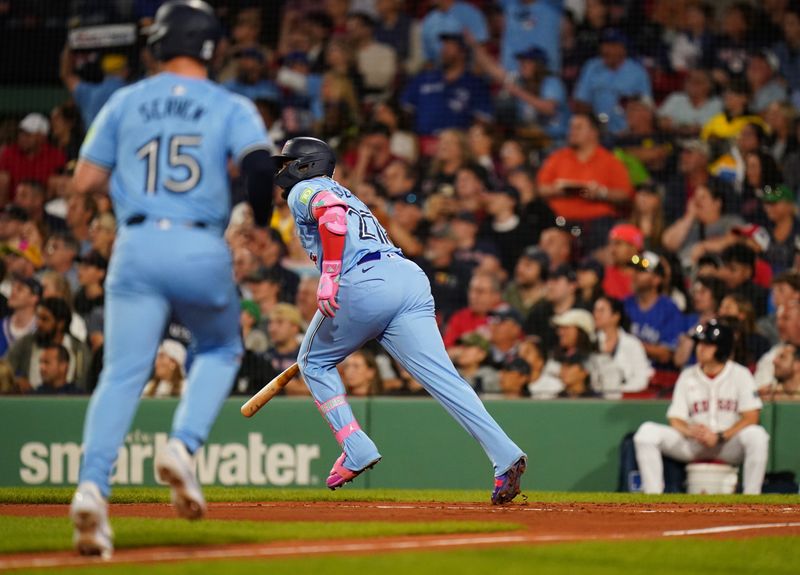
542	522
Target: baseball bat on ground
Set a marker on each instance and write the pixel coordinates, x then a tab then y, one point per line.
269	391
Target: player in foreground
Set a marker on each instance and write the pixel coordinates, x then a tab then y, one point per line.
713	415
368	290
164	144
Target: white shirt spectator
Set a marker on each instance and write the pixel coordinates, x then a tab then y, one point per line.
679	109
630	360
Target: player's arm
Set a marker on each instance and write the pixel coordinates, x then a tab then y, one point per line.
89	178
682	426
330	211
257	171
68	77
748	418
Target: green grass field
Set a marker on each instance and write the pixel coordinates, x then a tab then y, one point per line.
685	556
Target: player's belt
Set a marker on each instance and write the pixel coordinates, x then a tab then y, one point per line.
372	256
139	219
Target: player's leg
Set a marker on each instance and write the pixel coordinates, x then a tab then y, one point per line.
653	439
413	339
751	447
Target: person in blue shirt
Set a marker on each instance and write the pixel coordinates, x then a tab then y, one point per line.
528	24
249	81
449	96
605	81
91	97
654	318
163	146
450	17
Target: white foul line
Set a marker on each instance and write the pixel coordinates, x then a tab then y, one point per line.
727	529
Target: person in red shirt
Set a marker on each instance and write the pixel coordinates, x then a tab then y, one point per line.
624	242
585	183
31	157
484	295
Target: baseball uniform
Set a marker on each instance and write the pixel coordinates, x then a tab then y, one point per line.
716	403
386	297
166	141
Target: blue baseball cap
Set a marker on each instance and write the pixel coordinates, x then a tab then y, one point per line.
533	53
613	36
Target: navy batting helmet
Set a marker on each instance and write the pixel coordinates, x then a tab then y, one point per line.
302	159
184	28
716	333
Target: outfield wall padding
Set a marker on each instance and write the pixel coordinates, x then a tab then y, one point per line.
572	445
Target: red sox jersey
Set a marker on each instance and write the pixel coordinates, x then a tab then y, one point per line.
715	402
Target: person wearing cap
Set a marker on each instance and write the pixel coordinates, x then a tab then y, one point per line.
12	220
408	227
505	334
643	146
505	228
529	282
575	374
30	157
91	97
483	295
169	371
624	242
738	271
22	302
249	80
626	351
531	24
784	227
376	63
514	378
654	318
450	16
265	288
735	113
469	357
604	80
762	77
685	113
561	296
447	276
23	258
584	182
285	331
31	195
447	96
91	276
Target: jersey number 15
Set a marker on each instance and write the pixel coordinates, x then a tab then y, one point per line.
177	158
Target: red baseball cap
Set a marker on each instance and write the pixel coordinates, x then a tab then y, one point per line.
629	234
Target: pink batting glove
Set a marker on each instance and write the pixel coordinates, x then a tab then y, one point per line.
328	287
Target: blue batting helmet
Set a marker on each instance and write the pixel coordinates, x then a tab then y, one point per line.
184	28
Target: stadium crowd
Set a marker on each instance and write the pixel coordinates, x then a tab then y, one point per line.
584	182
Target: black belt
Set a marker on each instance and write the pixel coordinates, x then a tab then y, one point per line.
139	219
372	256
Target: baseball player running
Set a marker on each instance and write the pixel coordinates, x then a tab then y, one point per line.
164	144
714	415
368	290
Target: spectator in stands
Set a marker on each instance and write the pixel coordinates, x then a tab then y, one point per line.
53	370
271	251
484	294
505	334
53	317
448	277
738	313
248	80
408	228
306	298
376	63
102	233
88	96
60	253
584	182
285	328
513	155
787	51
738	270
624	242
265	287
703	225
12	221
31	157
693	166
246	35
782	139
56	285
398	178
528	286
91	275
535	210
556	242
778	327
81	210
448	96
374	153
685	113
530	24
654	318
360	374
514	378
605	80
765	87
169	371
470	251
469	357
691	47
67	129
480	138
505	228
30	196
399	30
626	352
561	296
707	293
336	111
450	17
732	46
734	116
25	296
590	274
575	374
245	264
589	31
402	142
542	385
471	184
786	386
784	227
23	258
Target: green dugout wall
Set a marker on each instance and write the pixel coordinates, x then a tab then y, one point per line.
572	445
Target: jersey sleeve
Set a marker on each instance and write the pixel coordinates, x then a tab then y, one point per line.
247	131
100	145
679	408
748	399
299	201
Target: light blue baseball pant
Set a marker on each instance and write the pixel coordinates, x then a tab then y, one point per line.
153	270
390	300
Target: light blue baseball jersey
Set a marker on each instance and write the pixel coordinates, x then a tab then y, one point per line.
364	233
167	140
529	24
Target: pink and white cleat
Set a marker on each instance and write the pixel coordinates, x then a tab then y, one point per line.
340	475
